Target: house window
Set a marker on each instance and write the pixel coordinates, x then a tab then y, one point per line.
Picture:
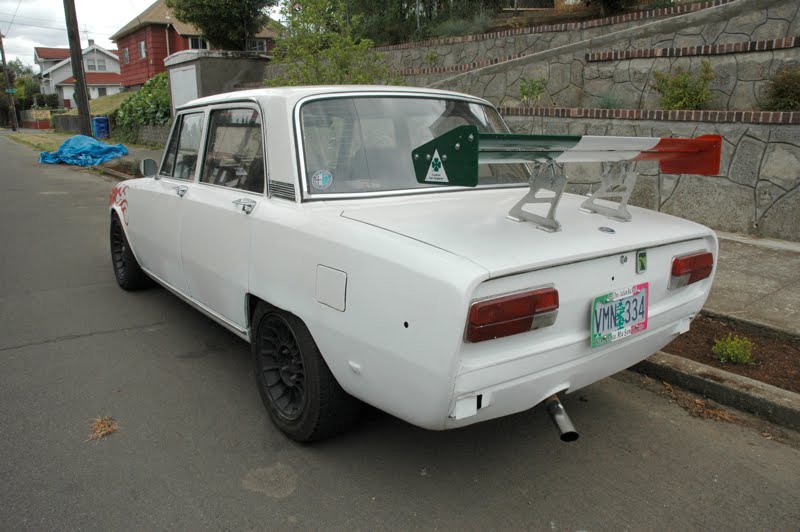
101	91
142	50
96	65
195	43
126	56
257	45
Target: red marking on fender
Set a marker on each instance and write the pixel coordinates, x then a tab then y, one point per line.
117	197
699	156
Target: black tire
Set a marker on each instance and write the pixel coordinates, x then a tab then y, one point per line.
301	394
126	269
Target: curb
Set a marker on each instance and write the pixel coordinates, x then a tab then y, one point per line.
113	173
774	404
753	326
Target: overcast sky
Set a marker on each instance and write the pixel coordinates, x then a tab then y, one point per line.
41	23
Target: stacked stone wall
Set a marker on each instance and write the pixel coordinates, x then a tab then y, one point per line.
745	41
757	191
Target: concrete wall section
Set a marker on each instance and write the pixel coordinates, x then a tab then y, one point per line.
757	191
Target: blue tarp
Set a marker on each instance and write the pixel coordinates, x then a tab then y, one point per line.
81	150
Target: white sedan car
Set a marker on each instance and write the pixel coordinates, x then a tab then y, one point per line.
399	247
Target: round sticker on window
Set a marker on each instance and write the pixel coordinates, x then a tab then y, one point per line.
322	179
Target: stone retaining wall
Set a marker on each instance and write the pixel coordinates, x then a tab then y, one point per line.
153	135
628	81
508	44
757	191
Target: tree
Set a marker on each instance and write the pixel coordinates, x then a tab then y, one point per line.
19	68
226	24
320	45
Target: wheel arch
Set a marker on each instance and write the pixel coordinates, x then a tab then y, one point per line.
116	211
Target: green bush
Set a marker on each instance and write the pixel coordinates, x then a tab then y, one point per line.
531	90
733	348
454	27
682	90
610	100
431	57
150	105
783	90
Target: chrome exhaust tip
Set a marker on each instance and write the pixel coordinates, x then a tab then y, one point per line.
562	421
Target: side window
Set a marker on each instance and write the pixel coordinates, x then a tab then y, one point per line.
235	152
184	145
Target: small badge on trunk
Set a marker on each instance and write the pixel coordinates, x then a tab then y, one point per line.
641	261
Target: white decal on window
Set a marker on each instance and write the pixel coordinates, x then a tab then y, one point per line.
436	173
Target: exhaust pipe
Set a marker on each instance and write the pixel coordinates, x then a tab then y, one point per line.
559	416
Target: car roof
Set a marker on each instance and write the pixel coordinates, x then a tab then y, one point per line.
293	94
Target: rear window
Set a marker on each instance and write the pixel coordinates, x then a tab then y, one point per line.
364	144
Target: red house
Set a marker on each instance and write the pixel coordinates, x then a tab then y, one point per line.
148	39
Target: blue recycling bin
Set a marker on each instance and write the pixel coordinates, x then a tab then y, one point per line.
100	127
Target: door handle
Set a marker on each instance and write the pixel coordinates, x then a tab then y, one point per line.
180	190
246	204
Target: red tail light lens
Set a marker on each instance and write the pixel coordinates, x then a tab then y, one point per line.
512	314
689	269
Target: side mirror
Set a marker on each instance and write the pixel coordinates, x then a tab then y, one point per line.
149	168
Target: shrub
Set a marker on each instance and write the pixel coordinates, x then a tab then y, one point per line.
531	90
733	348
682	90
607	7
783	90
463	26
431	57
610	100
150	105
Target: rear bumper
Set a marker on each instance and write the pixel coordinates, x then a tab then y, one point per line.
504	397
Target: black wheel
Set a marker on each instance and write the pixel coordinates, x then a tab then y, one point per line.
127	271
297	387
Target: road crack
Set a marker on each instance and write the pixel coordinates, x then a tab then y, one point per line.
76	336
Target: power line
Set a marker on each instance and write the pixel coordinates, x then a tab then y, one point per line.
59	21
62	28
13	17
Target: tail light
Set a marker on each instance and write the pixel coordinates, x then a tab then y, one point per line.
689	269
511	314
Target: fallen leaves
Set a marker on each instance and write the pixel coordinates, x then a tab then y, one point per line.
102	427
698	407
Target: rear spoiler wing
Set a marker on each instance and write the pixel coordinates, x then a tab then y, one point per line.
452	159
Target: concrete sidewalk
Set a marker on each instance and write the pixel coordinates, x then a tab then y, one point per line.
758	280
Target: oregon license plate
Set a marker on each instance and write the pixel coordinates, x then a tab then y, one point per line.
619	314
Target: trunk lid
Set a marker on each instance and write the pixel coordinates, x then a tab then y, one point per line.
473	224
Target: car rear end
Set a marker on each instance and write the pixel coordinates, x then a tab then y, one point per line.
533	334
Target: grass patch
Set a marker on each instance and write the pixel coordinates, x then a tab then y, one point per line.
105	105
102	427
40	141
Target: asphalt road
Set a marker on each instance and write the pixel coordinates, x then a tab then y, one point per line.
195	449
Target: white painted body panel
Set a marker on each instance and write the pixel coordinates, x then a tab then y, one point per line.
215	249
156	228
409	267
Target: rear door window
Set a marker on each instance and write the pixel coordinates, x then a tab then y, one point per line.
235	151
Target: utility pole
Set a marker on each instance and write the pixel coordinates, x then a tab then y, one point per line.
76	58
9	88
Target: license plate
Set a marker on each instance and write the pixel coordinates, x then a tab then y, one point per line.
619	314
